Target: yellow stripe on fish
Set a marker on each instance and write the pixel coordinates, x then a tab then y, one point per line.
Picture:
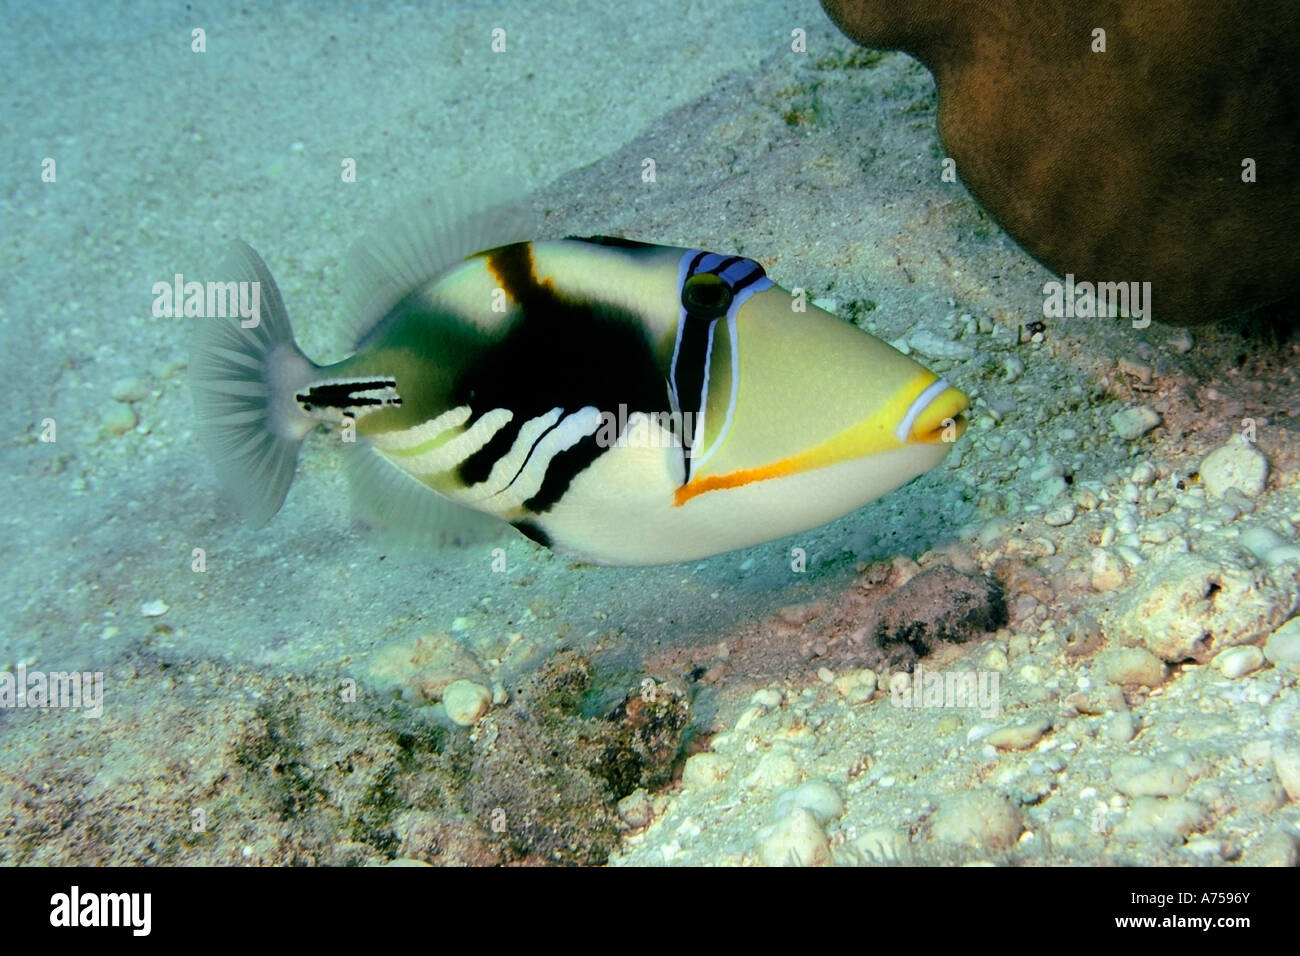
621	402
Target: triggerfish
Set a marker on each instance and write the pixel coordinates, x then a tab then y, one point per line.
617	401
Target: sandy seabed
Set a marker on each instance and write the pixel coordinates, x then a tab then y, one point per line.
279	699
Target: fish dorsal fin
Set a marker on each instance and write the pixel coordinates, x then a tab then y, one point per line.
405	509
423	239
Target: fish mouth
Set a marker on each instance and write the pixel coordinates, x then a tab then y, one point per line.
937	415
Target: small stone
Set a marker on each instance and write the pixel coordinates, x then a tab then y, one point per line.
937	347
1167	820
1237	464
1132	667
1134	422
1059	515
1120	727
1137	370
1158	532
1282	554
856	685
1138	777
1208	848
1189	605
1144	474
1181	341
1286	764
818	797
1261	539
1257	753
1239	661
129	390
1283	646
154	608
704	770
422	669
769	698
1020	736
776	768
948	724
995	659
1107	573
1279	849
118	419
1283	715
635	809
465	701
795	840
978	818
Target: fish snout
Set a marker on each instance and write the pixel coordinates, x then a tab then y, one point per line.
936	415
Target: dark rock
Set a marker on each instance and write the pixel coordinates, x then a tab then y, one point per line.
1122	166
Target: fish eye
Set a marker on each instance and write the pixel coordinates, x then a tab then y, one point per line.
706	295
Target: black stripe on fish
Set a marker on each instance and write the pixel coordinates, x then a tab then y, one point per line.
616	241
523	369
533	532
563	467
345	395
694	349
537	441
689	365
748	280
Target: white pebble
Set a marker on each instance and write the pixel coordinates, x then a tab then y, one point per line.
1020	736
153	608
1286	762
1238	464
1168	820
129	390
937	347
795	840
1140	778
775	769
768	697
1144	474
1136	370
703	770
1237	662
1120	727
1059	515
1132	666
465	701
1134	422
817	797
980	818
1283	646
119	418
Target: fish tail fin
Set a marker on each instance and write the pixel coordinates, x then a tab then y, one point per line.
243	381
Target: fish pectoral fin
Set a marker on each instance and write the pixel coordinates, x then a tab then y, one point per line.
400	506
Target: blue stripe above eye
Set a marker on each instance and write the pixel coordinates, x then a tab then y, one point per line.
745	278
